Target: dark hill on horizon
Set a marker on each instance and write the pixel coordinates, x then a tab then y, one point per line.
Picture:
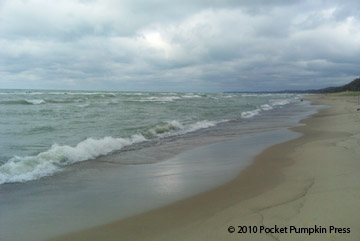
352	86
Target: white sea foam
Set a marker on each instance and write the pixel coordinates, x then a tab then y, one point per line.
103	94
228	96
280	102
82	105
135	93
190	96
160	99
266	107
84	93
168	98
267	95
202	125
35	93
21	169
256	95
249	114
35	102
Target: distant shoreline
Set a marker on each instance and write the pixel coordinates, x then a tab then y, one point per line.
353	86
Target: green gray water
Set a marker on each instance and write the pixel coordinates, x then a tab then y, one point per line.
73	160
44	131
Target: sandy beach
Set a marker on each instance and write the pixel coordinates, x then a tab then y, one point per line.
307	182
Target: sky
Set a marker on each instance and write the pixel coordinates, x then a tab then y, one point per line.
178	45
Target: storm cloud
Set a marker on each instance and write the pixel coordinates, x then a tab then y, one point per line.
178	45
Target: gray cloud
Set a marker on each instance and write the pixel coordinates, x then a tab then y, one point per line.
178	45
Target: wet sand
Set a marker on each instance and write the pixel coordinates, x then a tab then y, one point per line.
312	180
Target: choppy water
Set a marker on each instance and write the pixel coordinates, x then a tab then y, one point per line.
44	131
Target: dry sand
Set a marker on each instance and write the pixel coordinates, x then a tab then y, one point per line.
313	180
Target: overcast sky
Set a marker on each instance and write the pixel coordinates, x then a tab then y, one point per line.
178	45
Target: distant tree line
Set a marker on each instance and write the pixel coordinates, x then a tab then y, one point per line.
352	86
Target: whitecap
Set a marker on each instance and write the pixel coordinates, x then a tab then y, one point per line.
21	169
35	102
250	114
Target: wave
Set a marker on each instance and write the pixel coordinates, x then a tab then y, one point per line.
39	129
23	102
102	94
82	105
160	99
42	101
173	128
35	93
135	93
265	107
257	95
268	95
64	101
36	102
191	96
22	169
280	102
251	113
27	168
228	96
168	98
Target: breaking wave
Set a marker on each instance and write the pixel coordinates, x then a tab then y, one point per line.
249	114
160	98
264	107
280	102
23	102
22	169
172	128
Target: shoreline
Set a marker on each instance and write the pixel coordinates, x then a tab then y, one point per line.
128	183
274	190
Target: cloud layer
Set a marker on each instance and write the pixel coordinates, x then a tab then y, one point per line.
178	45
